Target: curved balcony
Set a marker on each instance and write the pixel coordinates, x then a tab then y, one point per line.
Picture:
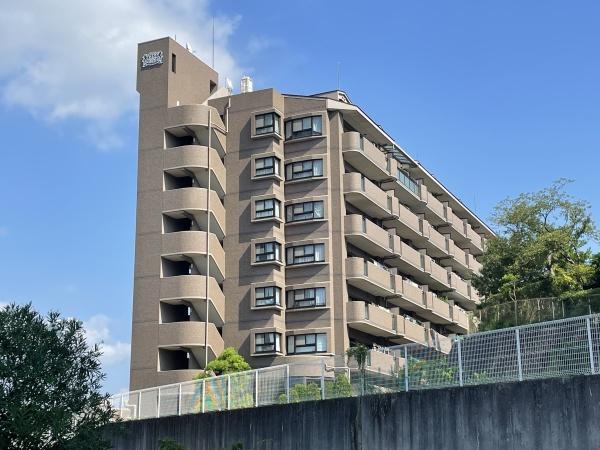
369	277
185	119
190	336
363	155
366	196
371	319
186	245
408	260
438	311
179	161
438	275
463	293
434	210
407	224
438	246
407	190
191	289
364	234
178	203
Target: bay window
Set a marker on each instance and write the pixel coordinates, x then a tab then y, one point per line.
266	123
307	343
303	127
304	211
305	298
267	296
267	342
304	169
304	254
268	251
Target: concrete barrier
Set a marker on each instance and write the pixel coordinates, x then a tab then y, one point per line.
561	413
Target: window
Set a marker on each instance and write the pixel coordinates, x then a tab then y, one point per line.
305	298
266	208
306	126
267	296
268	251
267	342
304	211
173	62
406	180
307	343
266	166
266	123
304	254
304	169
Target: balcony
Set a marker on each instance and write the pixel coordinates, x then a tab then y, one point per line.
191	289
192	245
438	311
409	332
186	120
409	296
438	275
181	203
190	336
460	320
384	362
438	245
369	277
407	224
366	196
364	156
435	211
370	238
180	161
406	189
408	260
371	319
476	240
463	293
456	228
474	265
438	341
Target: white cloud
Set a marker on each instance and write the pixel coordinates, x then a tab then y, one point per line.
97	332
77	59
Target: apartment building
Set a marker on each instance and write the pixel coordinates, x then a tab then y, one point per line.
286	226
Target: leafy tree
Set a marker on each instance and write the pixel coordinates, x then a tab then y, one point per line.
360	354
339	387
302	392
49	383
594	282
229	361
541	249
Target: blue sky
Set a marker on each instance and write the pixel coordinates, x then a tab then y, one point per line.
493	98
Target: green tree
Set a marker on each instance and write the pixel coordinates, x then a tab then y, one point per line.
50	382
229	361
360	353
541	249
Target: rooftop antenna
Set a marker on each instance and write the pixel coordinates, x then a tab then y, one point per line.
338	76
213	42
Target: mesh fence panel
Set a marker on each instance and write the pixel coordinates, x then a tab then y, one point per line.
242	390
191	397
272	385
489	357
129	409
215	394
429	368
169	400
148	403
555	349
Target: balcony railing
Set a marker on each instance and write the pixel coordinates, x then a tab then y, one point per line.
363	155
371	319
369	277
360	192
367	236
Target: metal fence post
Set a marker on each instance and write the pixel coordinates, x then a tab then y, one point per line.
519	363
323	380
228	391
203	395
256	388
179	401
460	365
591	347
158	403
287	382
405	369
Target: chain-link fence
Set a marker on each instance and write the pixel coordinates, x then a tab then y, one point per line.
532	310
542	350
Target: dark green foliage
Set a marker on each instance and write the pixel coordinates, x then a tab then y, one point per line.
302	393
339	387
49	383
169	444
541	250
229	361
360	353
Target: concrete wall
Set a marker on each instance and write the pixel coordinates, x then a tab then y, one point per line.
545	414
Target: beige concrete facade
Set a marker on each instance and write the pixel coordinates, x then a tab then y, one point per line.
286	226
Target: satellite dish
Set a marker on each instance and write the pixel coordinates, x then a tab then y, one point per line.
188	47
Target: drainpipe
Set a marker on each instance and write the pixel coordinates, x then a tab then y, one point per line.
207	241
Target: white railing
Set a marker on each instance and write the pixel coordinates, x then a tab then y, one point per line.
549	349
